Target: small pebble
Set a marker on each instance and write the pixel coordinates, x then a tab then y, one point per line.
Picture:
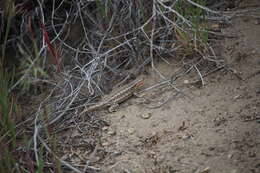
111	132
206	170
131	131
160	159
256	22
211	148
251	154
257	165
105	128
237	97
234	171
186	82
230	156
258	90
105	144
146	115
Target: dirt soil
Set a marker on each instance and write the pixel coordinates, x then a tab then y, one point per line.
214	128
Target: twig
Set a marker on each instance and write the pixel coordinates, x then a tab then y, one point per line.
62	161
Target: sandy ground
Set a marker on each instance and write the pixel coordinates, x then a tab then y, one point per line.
213	129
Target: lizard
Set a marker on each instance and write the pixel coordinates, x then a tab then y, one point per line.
117	97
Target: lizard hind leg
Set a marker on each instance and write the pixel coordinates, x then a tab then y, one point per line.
113	108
